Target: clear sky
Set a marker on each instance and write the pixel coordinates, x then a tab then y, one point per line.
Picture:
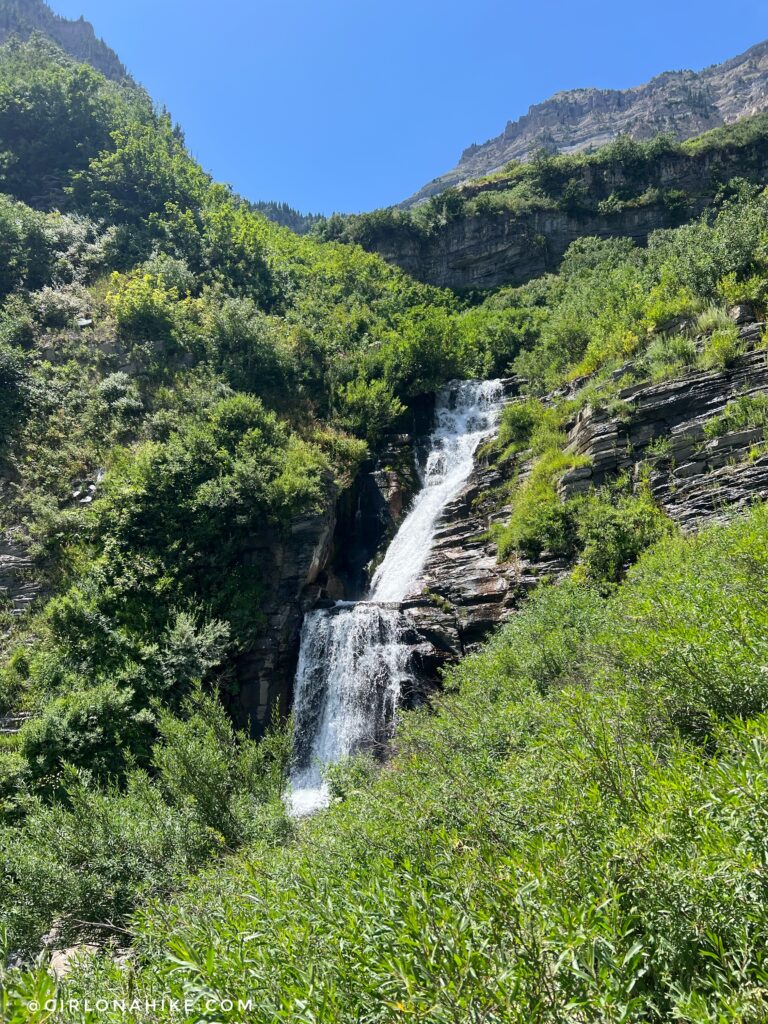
353	104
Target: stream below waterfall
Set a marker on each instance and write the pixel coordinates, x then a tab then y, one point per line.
353	660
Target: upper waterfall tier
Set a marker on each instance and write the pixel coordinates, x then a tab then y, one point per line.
466	413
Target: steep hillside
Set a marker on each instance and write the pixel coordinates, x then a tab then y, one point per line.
23	17
682	103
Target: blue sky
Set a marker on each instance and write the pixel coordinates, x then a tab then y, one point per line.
353	104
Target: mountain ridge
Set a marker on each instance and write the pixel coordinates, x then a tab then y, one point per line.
23	18
683	103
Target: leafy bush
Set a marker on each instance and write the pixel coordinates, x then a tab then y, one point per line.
142	306
95	852
614	529
14	391
369	408
722	349
100	729
743	413
540	521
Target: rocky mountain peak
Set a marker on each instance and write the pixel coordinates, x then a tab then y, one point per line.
683	103
22	18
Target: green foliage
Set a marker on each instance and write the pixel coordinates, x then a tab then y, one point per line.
99	729
350	776
14	391
422	354
94	853
203	764
540	521
518	421
26	257
55	116
573	833
713	318
369	408
546	845
744	413
142	306
145	168
722	349
613	530
669	355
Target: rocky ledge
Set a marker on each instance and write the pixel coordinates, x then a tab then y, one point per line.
696	480
464	591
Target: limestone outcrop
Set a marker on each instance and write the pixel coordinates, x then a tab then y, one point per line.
696	480
21	18
465	592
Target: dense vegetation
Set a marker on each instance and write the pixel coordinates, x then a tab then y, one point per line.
179	377
575	835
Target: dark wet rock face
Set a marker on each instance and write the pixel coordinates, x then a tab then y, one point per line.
368	516
325	558
291	568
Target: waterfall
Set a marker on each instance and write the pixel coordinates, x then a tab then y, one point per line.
353	658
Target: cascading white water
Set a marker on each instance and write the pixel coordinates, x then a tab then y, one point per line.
353	659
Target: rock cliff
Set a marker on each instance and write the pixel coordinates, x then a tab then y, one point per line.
683	103
695	480
24	17
480	248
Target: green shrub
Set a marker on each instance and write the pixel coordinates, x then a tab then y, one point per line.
744	413
95	852
90	858
99	729
713	318
517	424
369	408
722	349
202	763
350	775
540	521
668	356
143	307
752	289
14	784
614	529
